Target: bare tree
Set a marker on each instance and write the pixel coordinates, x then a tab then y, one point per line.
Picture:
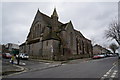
113	32
113	47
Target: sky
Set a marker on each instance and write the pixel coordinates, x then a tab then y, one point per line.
90	18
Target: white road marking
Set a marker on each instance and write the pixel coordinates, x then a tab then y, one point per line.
105	75
114	63
47	63
114	73
102	78
112	67
63	64
108	73
112	76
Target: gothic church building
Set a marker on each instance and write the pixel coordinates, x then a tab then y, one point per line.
51	39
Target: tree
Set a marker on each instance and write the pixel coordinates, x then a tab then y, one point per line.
113	32
113	47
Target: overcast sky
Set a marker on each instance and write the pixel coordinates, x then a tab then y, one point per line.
90	18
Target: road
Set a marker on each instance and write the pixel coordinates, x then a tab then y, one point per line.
29	64
99	68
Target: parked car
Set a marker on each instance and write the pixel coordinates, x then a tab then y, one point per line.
23	56
6	55
98	56
109	55
102	55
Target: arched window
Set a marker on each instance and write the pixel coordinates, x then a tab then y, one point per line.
71	39
87	48
77	45
80	44
83	47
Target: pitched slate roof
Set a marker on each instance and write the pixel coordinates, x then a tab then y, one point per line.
51	35
46	18
78	33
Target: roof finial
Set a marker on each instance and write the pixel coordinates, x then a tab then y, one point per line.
70	21
38	10
55	12
54	7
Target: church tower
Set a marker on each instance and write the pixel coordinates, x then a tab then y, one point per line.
54	20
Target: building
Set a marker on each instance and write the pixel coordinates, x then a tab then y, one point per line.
11	48
97	49
51	39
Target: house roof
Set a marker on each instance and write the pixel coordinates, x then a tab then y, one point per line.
51	35
46	18
78	33
63	26
22	44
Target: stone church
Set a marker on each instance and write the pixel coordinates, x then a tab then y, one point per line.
51	39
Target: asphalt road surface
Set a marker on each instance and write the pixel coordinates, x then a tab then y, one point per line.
98	68
29	64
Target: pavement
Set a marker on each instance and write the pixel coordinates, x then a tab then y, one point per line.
8	68
98	68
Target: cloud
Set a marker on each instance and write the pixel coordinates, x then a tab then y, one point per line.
91	18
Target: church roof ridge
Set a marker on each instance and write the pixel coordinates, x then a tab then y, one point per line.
44	15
